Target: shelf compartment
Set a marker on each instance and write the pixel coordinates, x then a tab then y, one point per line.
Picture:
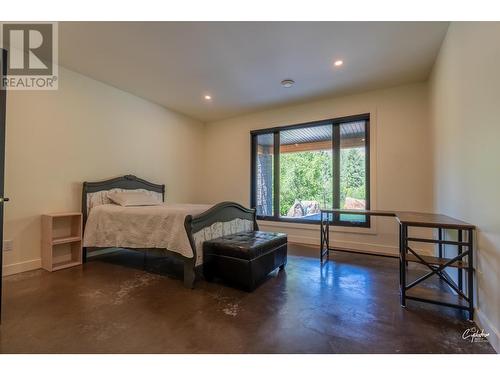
66	226
436	261
423	294
66	253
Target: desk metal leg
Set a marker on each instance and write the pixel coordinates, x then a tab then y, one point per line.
459	271
327	234
321	239
440	246
324	248
470	273
404	245
400	252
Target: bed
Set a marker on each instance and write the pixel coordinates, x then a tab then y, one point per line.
178	229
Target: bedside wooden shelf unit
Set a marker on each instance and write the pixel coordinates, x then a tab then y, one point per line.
61	240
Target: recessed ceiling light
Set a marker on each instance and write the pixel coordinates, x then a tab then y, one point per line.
207	97
287	83
338	63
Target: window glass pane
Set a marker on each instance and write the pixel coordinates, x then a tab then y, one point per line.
264	169
353	169
306	179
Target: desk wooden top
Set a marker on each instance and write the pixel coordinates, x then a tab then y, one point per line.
415	219
361	212
421	219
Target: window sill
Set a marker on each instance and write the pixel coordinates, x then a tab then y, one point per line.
315	226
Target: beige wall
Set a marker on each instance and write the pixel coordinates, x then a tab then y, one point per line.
401	162
465	102
87	131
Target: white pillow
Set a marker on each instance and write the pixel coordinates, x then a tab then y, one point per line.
133	198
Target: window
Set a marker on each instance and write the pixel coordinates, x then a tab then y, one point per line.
265	171
298	170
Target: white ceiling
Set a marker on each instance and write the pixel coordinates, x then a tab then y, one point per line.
241	64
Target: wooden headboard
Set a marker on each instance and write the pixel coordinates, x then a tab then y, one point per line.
128	182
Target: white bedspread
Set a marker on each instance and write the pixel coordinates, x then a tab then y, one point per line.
162	226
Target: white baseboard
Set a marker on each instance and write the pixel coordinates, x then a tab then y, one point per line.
484	323
29	265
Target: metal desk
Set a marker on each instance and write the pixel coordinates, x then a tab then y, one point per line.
463	296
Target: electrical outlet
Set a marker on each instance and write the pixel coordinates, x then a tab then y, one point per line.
8	245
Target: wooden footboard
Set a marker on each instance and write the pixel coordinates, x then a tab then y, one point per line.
223	213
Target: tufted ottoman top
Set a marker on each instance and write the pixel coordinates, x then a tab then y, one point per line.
245	245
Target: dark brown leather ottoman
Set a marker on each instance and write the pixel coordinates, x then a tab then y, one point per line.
244	258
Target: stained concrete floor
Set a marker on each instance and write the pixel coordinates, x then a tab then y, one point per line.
113	305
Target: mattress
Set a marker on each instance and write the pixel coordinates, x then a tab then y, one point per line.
162	227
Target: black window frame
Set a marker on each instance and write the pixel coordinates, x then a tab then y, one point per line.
335	122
